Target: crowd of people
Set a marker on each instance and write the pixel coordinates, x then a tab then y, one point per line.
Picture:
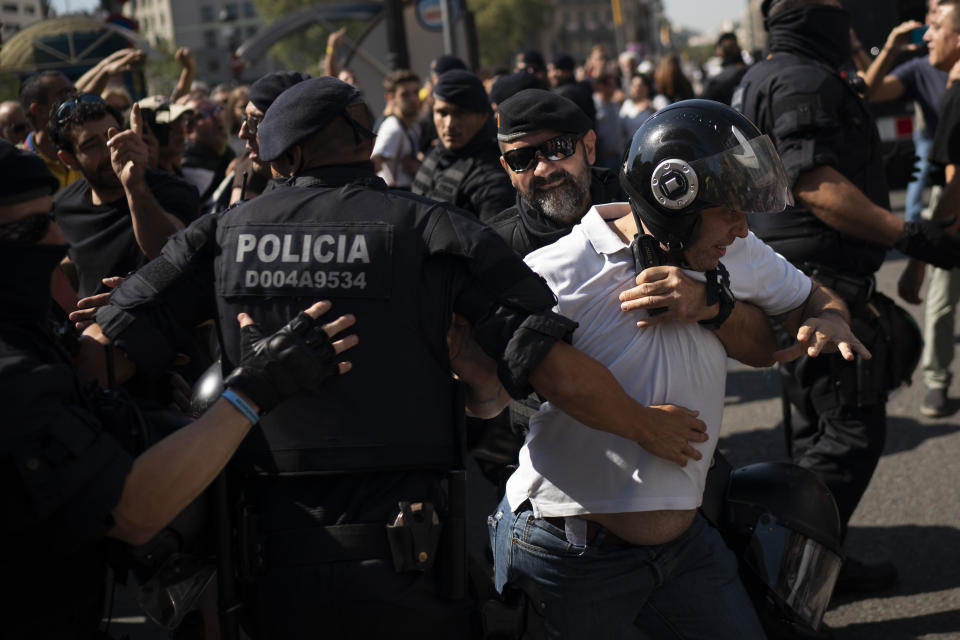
508	299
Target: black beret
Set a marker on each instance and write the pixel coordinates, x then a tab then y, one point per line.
534	110
463	89
25	175
301	111
511	83
446	63
265	90
563	61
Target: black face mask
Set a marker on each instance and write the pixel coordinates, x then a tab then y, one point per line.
25	272
820	31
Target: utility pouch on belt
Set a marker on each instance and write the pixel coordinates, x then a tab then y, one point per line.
414	536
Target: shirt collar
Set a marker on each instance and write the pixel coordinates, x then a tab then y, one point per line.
594	226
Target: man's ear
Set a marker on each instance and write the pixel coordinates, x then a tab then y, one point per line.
68	159
295	153
39	112
503	163
590	145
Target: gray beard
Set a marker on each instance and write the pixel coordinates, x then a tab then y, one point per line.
566	203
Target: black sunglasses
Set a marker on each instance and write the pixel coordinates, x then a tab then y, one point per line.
66	110
525	158
28	229
252	122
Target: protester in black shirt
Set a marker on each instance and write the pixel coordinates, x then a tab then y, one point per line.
121	213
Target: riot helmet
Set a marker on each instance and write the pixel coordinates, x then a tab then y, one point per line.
784	526
697	154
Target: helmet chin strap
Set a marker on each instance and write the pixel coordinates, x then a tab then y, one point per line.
648	252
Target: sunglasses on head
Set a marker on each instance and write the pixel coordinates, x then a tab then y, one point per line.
28	229
525	158
66	110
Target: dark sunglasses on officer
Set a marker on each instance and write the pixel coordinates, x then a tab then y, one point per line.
559	148
28	229
252	122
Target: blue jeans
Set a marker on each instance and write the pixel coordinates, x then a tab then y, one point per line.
686	589
913	206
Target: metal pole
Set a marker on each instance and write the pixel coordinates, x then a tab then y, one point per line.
398	56
449	36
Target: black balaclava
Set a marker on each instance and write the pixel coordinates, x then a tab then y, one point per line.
818	31
25	273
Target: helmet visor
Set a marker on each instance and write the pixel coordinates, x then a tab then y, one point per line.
748	178
799	570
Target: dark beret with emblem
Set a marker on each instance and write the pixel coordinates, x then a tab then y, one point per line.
25	175
463	89
301	111
534	110
265	90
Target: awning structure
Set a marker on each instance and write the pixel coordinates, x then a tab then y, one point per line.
71	44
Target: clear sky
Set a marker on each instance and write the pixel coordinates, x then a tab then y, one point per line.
702	15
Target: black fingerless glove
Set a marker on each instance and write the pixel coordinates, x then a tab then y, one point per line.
298	357
928	240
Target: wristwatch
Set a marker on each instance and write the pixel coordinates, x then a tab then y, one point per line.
718	291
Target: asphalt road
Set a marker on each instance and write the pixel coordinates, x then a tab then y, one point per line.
910	514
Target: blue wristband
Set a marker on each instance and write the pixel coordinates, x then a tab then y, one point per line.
241	406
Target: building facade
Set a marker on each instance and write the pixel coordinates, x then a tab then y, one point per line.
212	29
20	14
577	25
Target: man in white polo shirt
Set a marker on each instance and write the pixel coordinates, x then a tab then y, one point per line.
604	534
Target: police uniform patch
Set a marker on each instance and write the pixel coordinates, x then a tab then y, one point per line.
336	260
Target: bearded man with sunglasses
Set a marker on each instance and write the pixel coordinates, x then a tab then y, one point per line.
548	147
121	213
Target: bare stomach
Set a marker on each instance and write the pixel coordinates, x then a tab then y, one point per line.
645	527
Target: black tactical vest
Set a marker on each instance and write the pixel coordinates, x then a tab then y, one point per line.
786	92
360	248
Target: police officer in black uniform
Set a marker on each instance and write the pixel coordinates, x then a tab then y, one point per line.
543	214
319	483
838	232
464	167
70	477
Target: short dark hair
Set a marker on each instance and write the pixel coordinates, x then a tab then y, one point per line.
61	131
395	78
34	90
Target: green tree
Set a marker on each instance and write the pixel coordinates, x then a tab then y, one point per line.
505	27
304	50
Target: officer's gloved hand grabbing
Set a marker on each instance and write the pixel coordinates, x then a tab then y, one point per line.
298	357
929	241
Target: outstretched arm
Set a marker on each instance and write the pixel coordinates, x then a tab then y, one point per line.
821	325
172	473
